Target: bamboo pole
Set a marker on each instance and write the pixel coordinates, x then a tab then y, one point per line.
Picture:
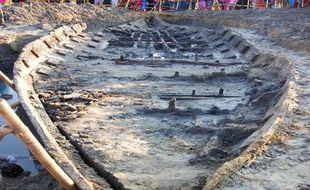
5	130
160	5
6	80
127	4
23	133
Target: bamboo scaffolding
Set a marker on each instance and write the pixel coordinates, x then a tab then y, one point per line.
127	4
160	5
5	130
23	133
6	80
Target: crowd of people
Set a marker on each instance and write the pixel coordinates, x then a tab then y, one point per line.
172	5
181	5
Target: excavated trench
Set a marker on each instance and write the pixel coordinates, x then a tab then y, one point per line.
153	105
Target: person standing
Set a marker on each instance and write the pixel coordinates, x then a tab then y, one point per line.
114	3
181	5
144	5
202	4
172	4
1	13
209	4
98	2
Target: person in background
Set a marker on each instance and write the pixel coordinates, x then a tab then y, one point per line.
144	5
137	5
98	2
105	2
150	5
209	4
192	4
172	5
156	5
183	5
131	5
1	13
165	5
226	4
114	3
202	4
186	4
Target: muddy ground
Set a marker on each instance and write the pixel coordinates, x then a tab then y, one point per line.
284	31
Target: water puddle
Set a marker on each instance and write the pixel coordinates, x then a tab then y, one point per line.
13	147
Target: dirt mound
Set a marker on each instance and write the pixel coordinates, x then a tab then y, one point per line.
61	14
22	19
288	27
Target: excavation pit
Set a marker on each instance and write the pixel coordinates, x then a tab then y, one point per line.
156	106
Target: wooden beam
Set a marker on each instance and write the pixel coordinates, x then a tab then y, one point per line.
6	80
24	134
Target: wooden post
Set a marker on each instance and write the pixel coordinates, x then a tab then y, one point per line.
127	4
6	80
23	133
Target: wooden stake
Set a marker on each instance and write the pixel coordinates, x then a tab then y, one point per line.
23	133
127	4
6	80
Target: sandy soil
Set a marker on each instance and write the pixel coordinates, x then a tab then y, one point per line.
284	165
